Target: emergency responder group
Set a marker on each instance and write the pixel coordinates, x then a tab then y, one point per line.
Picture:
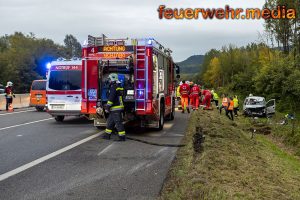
192	95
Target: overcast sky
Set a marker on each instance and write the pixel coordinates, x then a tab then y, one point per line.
54	19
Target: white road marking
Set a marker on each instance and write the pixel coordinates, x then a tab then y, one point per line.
19	135
16	112
47	157
106	149
137	167
25	124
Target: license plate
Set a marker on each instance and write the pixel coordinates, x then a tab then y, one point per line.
57	107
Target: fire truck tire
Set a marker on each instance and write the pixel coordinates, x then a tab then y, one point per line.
171	116
161	117
59	118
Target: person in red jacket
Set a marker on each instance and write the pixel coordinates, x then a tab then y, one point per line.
9	94
207	99
195	92
184	91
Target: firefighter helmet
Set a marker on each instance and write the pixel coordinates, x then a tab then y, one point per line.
9	84
113	77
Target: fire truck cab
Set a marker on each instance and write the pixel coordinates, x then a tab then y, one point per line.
146	71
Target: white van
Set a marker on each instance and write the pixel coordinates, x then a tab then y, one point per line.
257	106
64	88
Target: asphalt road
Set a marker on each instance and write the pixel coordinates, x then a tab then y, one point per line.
42	159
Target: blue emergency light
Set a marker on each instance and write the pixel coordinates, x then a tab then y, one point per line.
48	65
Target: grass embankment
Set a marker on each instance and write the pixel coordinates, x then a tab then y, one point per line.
231	164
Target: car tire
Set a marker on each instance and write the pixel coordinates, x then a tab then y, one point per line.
59	118
39	109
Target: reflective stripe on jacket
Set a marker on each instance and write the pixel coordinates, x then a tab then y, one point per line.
115	99
184	90
195	91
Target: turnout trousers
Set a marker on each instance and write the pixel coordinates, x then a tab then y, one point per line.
115	120
8	102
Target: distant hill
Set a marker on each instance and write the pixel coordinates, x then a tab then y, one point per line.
191	65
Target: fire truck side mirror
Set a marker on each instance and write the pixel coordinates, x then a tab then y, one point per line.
177	69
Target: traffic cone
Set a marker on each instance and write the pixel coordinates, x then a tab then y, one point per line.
10	108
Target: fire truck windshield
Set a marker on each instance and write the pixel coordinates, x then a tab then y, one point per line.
65	80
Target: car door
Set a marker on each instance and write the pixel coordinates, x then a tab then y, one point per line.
270	107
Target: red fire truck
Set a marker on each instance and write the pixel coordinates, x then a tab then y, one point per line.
146	71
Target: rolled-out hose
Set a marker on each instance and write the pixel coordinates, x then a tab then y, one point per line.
153	143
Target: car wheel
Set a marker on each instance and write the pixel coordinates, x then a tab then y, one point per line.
59	118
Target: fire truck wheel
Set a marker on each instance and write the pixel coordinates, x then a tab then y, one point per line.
161	117
171	116
59	118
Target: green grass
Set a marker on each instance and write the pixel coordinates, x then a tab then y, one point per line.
231	164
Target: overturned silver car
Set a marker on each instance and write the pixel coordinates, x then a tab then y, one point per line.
258	107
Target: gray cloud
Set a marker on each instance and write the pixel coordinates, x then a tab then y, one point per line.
132	18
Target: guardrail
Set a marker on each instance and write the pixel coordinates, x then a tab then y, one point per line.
21	101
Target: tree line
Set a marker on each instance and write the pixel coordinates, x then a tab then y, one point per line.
270	68
23	58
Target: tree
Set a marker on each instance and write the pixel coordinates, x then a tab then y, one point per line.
73	47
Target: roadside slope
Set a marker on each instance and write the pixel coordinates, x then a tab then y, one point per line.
230	165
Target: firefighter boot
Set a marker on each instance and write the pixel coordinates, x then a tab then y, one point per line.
106	136
188	110
122	138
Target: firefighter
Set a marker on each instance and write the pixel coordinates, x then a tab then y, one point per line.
9	94
215	98
195	91
225	103
207	99
236	105
184	91
230	108
115	108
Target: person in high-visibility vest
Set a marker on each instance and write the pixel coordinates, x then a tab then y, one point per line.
236	105
178	96
230	109
195	92
184	92
215	98
225	103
